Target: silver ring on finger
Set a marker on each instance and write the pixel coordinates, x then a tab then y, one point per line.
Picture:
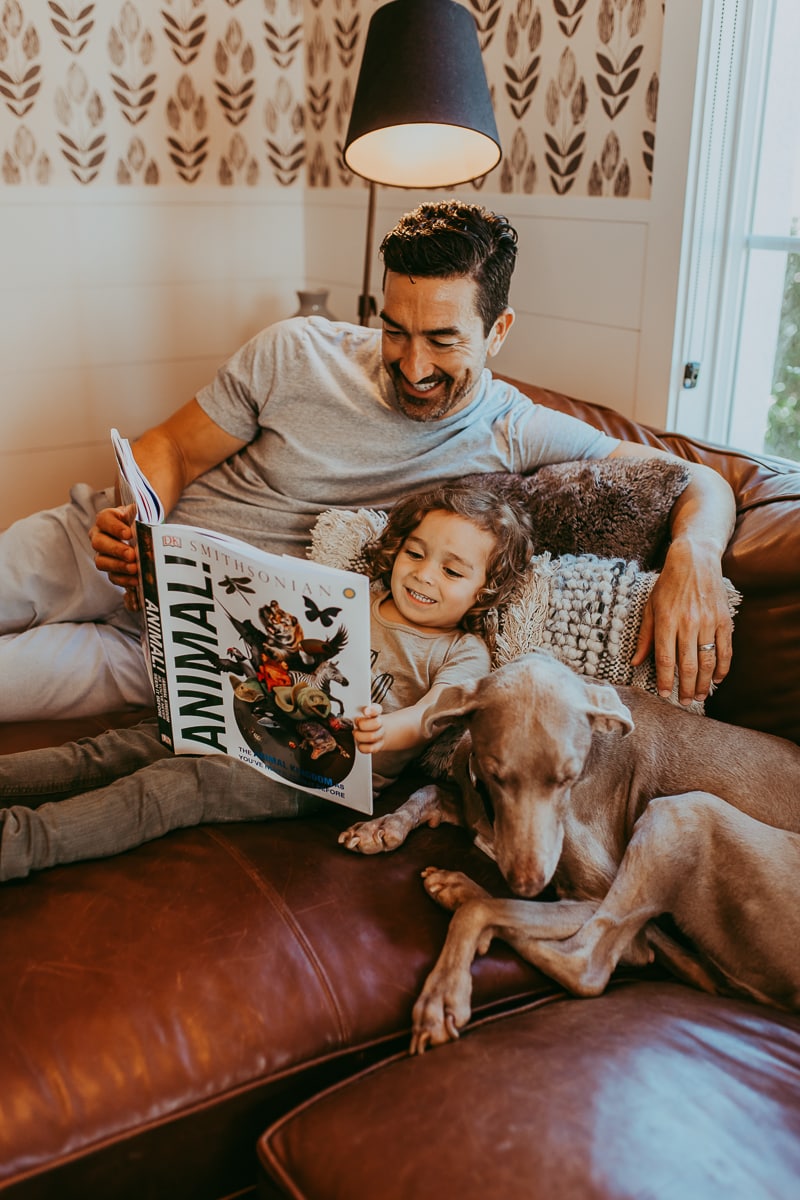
707	648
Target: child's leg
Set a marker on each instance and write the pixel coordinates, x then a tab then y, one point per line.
173	793
34	777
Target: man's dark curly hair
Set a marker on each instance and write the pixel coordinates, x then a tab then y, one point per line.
449	239
504	519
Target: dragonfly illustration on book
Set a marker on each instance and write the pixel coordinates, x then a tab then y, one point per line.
238	585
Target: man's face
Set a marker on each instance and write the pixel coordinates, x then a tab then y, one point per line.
433	345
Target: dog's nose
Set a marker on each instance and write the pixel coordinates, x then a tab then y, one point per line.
526	884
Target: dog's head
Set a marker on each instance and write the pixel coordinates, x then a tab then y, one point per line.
531	724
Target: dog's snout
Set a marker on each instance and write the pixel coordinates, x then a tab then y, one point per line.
528	841
526	885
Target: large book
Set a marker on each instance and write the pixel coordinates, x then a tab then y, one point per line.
260	656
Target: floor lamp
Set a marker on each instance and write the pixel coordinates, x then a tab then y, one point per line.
422	115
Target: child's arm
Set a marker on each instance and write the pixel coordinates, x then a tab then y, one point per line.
401	730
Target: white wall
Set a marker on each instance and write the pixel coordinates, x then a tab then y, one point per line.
115	306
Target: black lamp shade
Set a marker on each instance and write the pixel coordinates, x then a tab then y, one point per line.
422	114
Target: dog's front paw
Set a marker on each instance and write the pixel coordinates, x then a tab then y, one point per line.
451	889
441	1012
377	836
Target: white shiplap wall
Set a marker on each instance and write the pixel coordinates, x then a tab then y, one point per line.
115	306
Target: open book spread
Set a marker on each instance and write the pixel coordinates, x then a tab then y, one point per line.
260	656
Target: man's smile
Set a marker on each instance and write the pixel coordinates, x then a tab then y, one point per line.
424	386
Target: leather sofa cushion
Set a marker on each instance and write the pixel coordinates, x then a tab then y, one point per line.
649	1090
176	995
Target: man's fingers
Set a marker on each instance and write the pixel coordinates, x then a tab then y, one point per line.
661	638
675	627
723	657
120	567
695	668
644	642
703	662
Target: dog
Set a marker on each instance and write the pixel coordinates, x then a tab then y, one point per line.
631	808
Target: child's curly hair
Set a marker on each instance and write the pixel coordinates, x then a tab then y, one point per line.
503	518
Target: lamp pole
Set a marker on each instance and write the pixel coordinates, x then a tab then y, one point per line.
366	302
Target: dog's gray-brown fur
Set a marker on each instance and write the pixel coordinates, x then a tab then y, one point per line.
632	808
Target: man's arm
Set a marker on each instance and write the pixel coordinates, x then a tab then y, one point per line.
171	455
688	606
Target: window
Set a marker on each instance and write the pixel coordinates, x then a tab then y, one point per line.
742	275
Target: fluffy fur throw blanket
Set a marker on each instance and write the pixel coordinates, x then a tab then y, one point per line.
613	508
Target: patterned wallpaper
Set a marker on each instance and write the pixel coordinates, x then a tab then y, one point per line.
246	92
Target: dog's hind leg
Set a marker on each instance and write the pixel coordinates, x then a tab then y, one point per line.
428	805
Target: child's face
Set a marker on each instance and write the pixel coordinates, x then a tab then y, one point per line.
439	570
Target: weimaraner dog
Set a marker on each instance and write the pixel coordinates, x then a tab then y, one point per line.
631	808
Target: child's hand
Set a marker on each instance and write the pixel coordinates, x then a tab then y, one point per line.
369	732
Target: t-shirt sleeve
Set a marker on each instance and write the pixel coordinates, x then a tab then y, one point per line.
542	435
236	396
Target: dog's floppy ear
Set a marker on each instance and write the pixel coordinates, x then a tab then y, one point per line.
455	701
606	711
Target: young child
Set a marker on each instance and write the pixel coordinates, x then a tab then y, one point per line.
446	557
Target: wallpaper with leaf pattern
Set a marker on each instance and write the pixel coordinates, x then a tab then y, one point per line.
246	92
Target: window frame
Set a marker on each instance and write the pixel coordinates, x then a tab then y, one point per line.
720	243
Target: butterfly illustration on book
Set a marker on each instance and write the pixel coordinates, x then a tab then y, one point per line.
324	615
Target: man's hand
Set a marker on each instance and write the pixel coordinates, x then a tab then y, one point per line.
112	539
687	623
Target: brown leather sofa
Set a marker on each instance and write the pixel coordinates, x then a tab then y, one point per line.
228	1008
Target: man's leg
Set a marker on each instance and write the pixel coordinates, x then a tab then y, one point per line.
71	670
47	571
171	793
68	647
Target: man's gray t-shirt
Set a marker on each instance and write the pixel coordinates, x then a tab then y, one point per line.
316	406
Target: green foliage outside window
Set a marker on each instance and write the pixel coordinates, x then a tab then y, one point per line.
783	419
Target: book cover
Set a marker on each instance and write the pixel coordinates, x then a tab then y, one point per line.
264	657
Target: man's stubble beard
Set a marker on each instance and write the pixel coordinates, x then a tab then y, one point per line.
416	410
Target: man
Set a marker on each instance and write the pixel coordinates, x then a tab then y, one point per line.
310	415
